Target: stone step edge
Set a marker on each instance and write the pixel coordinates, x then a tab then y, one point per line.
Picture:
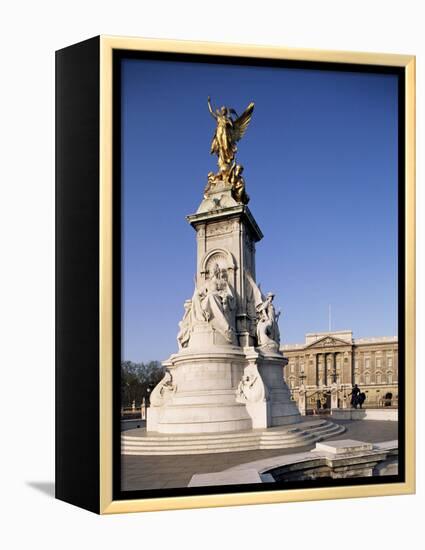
258	447
195	442
215	450
276	430
278	443
246	436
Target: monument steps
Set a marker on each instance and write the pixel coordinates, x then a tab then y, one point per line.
316	435
194	439
138	443
276	431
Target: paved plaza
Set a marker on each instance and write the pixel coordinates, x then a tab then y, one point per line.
160	472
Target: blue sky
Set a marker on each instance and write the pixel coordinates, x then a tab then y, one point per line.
320	160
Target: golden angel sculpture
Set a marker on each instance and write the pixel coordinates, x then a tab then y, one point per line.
230	129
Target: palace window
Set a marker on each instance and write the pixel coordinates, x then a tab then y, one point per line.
367	362
390	377
389	361
378	362
367	378
378	378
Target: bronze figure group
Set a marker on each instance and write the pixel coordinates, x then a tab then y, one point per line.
230	128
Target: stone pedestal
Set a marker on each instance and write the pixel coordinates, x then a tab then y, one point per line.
226	235
272	404
226	389
200	396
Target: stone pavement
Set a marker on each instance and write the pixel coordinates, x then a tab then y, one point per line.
161	472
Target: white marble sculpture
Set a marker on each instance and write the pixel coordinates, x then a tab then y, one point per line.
251	387
228	372
214	303
163	391
268	334
185	326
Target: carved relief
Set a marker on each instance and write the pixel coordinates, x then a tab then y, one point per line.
218	255
218	259
328	341
250	388
163	391
214	304
220	228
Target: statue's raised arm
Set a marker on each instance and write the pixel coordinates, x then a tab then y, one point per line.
211	110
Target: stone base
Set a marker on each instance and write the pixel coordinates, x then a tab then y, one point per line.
227	389
201	395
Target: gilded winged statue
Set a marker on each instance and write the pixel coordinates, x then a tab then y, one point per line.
230	129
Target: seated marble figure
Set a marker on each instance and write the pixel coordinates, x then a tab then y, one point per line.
214	303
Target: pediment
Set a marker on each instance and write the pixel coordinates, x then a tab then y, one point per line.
328	342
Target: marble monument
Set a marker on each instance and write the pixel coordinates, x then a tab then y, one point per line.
228	373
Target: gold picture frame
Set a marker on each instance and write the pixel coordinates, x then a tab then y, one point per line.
106	47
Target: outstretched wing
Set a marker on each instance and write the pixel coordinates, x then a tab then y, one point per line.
241	123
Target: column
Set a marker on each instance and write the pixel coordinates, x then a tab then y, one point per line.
321	368
309	369
348	375
325	364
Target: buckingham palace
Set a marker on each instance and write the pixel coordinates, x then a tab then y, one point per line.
326	366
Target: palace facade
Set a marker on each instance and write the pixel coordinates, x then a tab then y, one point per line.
336	360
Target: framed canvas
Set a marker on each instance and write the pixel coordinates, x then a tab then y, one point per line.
235	274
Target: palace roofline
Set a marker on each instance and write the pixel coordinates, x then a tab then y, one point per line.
375	340
312	337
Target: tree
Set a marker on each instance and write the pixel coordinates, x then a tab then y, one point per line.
137	379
